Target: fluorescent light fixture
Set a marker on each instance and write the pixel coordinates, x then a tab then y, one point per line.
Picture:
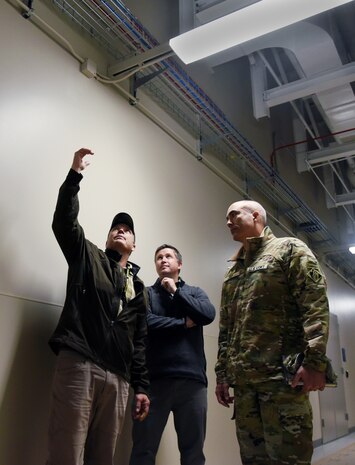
248	23
352	249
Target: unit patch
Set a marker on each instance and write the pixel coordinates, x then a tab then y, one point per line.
314	275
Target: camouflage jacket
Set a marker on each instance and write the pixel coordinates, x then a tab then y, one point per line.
273	304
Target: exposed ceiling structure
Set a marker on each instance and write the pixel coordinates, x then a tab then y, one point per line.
318	66
311	78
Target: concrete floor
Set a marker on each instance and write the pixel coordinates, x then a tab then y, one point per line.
331	453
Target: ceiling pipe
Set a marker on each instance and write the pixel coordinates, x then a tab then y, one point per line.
304	141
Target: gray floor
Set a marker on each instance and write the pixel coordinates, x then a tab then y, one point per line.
328	449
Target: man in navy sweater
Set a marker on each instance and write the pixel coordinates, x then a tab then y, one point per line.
176	363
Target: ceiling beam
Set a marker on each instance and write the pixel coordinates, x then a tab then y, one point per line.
308	86
207	13
345	199
258	85
332	153
186	16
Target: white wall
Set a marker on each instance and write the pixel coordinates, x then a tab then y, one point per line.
48	109
342	303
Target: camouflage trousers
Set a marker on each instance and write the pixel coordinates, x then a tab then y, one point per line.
274	424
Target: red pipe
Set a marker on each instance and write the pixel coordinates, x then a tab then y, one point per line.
272	157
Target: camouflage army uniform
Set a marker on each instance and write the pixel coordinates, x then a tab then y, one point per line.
273	304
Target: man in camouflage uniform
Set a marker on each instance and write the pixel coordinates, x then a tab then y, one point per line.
274	304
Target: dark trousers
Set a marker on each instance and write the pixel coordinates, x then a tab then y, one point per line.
187	399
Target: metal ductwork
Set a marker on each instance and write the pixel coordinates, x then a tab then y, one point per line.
322	77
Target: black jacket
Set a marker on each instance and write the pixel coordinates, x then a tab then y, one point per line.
90	323
174	351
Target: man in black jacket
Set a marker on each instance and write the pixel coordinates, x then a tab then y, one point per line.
176	363
100	336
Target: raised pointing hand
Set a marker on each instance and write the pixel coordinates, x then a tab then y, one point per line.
79	162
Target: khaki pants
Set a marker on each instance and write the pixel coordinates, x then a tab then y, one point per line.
88	409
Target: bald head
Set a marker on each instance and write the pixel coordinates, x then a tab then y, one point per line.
251	206
246	218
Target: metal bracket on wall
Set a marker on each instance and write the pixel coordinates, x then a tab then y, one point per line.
136	83
28	14
141	60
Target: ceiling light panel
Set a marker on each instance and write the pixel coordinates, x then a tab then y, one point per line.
248	23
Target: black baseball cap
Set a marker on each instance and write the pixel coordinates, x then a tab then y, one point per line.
123	218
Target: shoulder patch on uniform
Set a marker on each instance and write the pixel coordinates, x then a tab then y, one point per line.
314	275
